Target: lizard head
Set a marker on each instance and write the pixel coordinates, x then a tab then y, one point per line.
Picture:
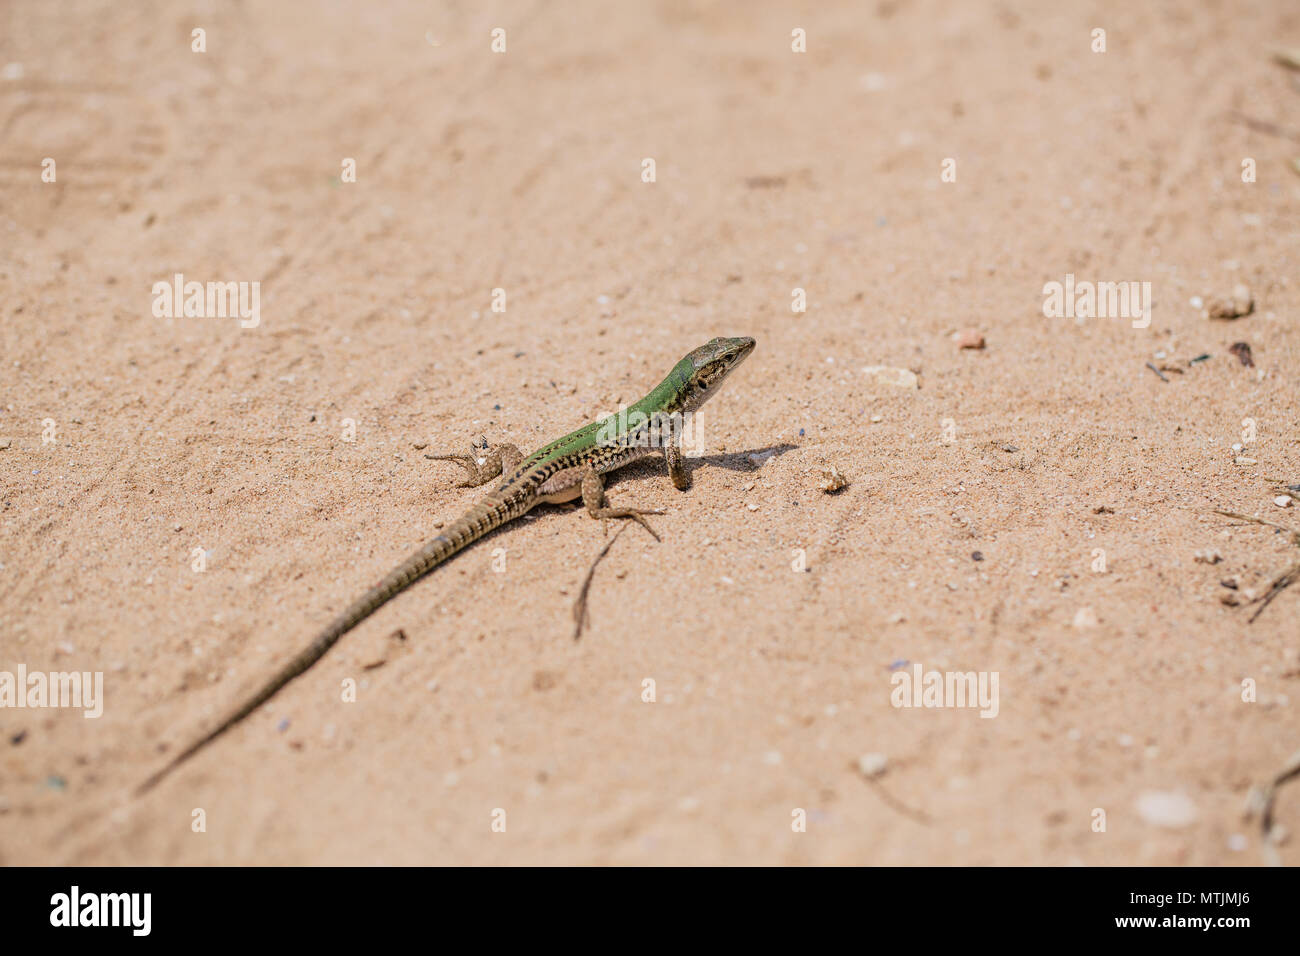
708	366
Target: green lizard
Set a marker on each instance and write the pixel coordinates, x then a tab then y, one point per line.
559	471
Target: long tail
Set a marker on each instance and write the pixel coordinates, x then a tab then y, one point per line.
485	516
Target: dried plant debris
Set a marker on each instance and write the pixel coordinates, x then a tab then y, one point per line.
1163	376
1288	58
1280	582
580	612
1260	803
1242	351
1178	366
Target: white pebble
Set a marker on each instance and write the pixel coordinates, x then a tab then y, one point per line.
1166	808
873	765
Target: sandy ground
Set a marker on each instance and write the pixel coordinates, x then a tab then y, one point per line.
1120	690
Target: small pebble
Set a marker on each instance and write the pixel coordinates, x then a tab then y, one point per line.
832	480
977	555
898	377
1166	808
1208	556
1282	501
873	765
1241	303
968	339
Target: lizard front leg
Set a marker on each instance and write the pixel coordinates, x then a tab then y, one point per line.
676	462
593	496
482	464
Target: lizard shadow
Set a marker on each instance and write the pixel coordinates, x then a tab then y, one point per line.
653	465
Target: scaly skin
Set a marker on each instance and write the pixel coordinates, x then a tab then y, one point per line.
561	470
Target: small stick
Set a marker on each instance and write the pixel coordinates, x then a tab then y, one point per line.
1280	584
1283	580
1263	126
1158	372
899	806
1262	799
1295	535
580	605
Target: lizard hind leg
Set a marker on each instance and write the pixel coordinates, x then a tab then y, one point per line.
593	496
483	464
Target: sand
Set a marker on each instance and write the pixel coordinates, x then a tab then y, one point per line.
286	459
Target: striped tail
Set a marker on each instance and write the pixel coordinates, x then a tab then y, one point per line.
482	518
